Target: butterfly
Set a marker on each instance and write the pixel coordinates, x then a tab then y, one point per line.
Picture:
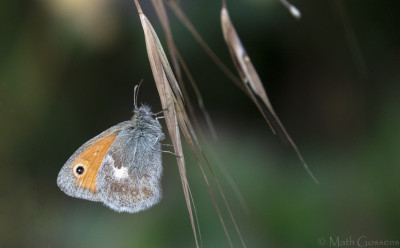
121	167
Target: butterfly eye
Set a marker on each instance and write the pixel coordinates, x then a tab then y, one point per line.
142	112
79	170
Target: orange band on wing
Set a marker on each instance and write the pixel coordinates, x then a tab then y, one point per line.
91	159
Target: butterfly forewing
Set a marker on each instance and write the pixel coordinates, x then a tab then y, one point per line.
78	176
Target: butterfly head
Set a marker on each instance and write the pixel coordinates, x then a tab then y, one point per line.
143	116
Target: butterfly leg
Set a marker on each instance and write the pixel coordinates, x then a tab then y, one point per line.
172	153
166	151
162	111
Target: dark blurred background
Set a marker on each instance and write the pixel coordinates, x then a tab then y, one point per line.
67	72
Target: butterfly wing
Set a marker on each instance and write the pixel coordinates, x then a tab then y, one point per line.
129	177
78	176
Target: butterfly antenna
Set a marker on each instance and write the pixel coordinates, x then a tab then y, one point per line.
136	93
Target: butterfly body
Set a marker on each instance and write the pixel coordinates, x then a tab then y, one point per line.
120	167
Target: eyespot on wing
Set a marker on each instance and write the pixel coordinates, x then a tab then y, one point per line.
87	164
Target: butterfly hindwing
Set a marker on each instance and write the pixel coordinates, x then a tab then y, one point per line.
129	178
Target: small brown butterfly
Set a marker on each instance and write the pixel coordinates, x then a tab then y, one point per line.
120	167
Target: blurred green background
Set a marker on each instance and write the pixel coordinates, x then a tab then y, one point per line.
67	72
